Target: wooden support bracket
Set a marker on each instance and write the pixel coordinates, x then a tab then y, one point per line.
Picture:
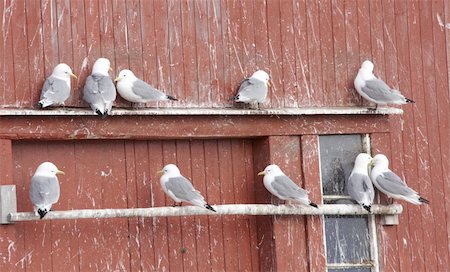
8	202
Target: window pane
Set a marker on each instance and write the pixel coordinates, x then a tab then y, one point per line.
337	156
350	269
347	239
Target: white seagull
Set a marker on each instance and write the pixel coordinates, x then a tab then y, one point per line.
375	89
392	185
254	89
180	188
359	185
135	90
99	89
44	188
283	187
56	87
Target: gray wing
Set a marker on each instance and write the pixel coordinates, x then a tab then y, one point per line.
44	190
253	88
183	189
393	184
144	90
378	90
99	88
286	188
358	186
55	90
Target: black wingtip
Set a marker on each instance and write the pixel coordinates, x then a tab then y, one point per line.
209	207
409	100
423	200
367	208
313	204
42	213
40	105
171	98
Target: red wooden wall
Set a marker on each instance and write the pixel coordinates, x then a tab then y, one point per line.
199	50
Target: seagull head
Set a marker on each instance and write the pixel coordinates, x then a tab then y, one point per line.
170	170
363	160
262	76
125	75
271	169
101	66
63	70
367	66
380	160
48	169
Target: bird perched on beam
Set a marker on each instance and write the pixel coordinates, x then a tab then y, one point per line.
56	87
254	89
99	90
180	188
359	185
283	187
392	185
136	90
44	188
376	90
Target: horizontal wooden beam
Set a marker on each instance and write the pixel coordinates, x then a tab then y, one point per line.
232	209
202	111
178	127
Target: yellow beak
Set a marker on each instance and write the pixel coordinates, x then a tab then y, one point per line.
60	172
74	76
117	79
110	69
160	171
261	173
269	83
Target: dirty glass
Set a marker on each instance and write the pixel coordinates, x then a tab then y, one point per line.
347	237
337	156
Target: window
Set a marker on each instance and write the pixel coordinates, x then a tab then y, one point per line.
350	241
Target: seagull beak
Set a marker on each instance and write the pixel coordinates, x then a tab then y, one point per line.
372	163
261	173
117	79
60	172
269	83
74	76
110	69
160	172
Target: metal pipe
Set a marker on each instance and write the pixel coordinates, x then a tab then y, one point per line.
234	209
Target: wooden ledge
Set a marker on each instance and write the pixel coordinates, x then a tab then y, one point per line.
204	111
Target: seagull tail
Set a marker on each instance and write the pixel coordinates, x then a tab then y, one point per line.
423	200
367	207
409	100
42	213
209	207
171	98
313	205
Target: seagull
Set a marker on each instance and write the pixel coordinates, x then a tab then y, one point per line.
254	89
392	185
283	187
180	188
375	89
56	87
99	90
359	185
44	188
135	90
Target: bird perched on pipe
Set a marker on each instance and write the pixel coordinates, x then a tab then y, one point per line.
359	185
44	188
254	89
180	189
136	90
283	187
390	184
56	89
99	90
376	90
